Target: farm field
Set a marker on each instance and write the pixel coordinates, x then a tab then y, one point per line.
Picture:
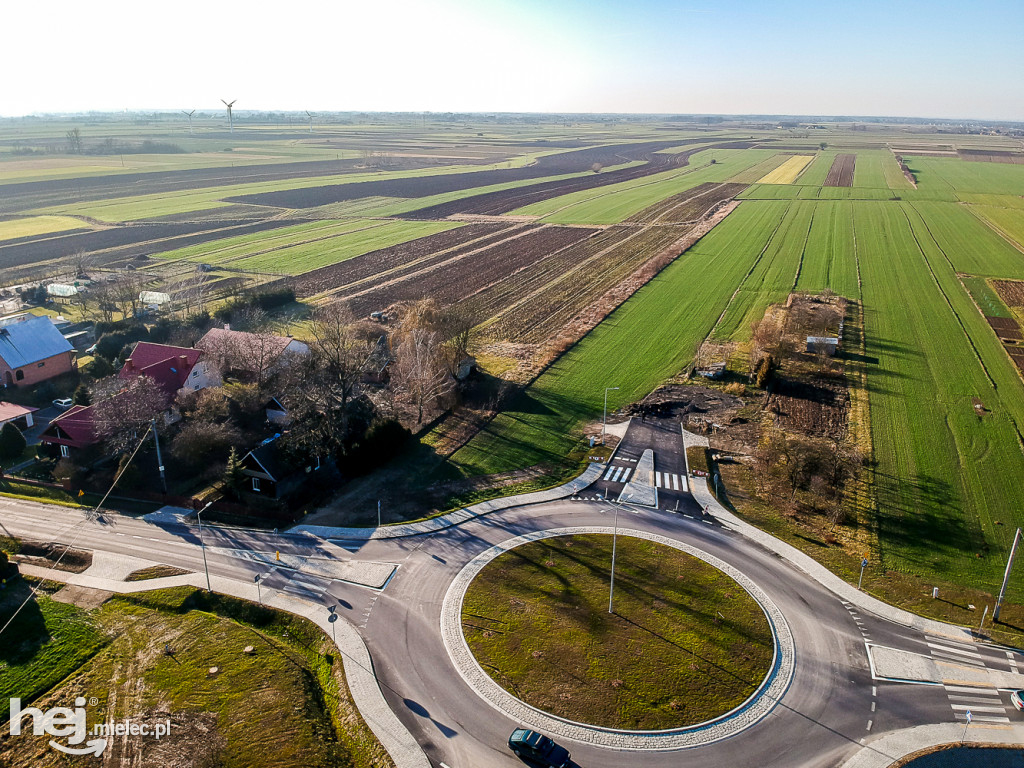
38	225
842	171
1007	221
612	205
306	247
649	338
788	172
597	239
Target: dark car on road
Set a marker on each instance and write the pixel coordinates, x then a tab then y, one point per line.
538	749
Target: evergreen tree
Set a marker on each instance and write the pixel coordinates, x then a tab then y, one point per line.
233	477
12	442
81	396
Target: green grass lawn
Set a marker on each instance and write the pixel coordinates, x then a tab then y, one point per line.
537	620
284	704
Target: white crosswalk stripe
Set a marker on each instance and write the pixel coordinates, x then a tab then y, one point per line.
618	471
675	482
608	474
625	475
972	689
657	479
954	649
977	708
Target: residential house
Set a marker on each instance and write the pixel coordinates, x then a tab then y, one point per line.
33	350
20	415
271	473
175	369
249	356
72	431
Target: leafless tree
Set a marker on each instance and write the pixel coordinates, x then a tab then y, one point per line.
123	408
420	372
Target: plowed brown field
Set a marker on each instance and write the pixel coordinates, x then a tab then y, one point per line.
841	172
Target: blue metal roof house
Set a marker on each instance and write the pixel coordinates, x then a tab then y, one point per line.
33	350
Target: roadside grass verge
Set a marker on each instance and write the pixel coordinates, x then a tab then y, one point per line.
283	703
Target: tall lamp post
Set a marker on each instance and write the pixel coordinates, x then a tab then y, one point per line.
615	541
604	418
202	544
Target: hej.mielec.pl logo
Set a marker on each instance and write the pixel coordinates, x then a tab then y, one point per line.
62	722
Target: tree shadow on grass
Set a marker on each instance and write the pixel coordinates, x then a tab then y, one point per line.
27	633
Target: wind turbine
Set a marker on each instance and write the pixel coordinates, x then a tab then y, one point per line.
189	115
231	121
310	116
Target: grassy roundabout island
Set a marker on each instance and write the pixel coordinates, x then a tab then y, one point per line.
686	643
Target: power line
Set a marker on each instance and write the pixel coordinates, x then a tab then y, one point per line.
67	548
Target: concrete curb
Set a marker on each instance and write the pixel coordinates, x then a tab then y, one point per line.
359	673
590	475
887	749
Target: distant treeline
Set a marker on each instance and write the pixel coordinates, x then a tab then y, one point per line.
105	147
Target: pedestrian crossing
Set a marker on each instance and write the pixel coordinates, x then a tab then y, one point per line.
670	481
618	474
955	655
985	704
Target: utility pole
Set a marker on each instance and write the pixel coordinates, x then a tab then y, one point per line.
202	544
604	418
1006	576
159	461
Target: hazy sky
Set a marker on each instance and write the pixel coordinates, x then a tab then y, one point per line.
860	57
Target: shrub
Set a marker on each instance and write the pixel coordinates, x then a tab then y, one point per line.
12	442
199	442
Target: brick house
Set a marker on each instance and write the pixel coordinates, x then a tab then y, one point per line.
33	350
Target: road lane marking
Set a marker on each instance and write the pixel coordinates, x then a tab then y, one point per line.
608	474
869	724
657	479
675	482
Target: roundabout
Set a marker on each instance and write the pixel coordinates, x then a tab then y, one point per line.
778	670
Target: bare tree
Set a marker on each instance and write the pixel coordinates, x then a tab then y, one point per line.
124	291
420	372
328	381
123	408
74	137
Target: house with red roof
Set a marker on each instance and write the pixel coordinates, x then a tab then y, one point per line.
173	368
73	430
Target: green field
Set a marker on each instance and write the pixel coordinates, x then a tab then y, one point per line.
617	202
38	225
649	338
1008	221
298	249
960	176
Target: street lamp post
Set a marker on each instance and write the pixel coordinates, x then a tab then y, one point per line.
615	541
202	544
604	418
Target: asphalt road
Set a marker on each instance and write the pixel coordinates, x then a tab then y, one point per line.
831	706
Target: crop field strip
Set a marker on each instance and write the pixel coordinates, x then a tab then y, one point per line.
19	230
788	172
614	205
118	244
1008	222
371	267
842	171
451	279
535	317
333	245
650	337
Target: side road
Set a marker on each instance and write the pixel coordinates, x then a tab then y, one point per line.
362	680
591	474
